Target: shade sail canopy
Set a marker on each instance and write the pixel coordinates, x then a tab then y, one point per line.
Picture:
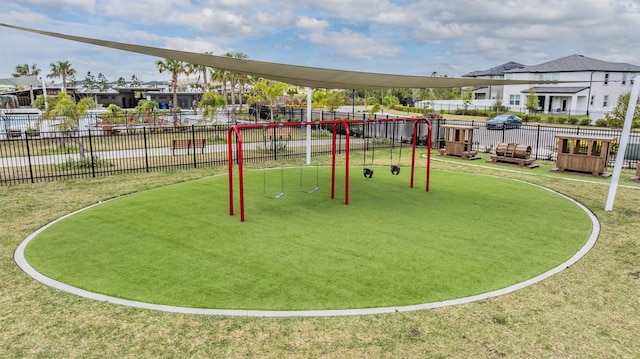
292	74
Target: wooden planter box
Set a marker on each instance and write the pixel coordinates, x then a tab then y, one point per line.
587	154
458	141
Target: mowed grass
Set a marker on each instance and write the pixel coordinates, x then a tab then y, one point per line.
391	246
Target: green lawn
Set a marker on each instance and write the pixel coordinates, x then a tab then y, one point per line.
391	246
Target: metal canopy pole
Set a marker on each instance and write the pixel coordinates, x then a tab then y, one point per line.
624	140
309	93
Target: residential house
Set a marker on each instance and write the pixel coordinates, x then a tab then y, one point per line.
494	73
593	88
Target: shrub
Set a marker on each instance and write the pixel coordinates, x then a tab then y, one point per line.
85	162
601	122
586	121
573	120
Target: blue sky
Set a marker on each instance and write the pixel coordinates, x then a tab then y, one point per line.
413	37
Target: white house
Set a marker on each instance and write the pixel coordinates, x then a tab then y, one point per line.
497	73
593	89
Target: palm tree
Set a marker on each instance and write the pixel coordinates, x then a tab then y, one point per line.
21	70
35	70
64	108
231	77
25	70
235	79
242	79
176	68
222	76
63	70
210	104
270	91
193	68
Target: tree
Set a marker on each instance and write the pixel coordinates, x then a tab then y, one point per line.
221	76
176	68
121	82
240	79
72	81
62	70
318	98
62	107
146	108
270	91
234	79
466	98
134	81
210	104
193	68
533	102
102	82
334	100
375	106
497	104
89	81
616	117
390	101
25	70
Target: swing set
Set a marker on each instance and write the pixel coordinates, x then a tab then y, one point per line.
395	168
367	172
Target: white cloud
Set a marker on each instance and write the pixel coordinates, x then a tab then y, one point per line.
311	24
64	5
352	45
437	35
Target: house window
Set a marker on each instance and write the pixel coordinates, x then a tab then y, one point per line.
514	100
631	80
624	78
606	79
548	77
605	102
593	99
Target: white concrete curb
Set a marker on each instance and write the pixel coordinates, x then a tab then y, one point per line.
26	267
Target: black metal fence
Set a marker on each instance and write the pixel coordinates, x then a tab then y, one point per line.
31	157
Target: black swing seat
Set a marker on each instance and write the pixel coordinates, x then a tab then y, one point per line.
367	172
395	170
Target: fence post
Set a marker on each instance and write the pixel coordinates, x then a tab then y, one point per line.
537	142
275	144
93	167
146	148
26	136
193	141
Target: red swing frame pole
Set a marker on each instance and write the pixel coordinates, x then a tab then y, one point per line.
238	133
237	130
333	159
413	147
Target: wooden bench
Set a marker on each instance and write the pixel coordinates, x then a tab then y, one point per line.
182	144
14	133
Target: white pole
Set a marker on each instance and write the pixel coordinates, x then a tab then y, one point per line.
624	140
44	93
309	92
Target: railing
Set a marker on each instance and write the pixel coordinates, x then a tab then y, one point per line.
42	156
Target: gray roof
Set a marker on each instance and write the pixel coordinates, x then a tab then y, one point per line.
31	80
550	89
498	70
575	63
